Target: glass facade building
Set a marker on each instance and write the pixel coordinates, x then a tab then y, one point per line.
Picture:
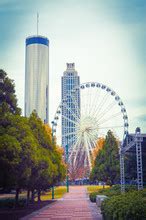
37	77
70	104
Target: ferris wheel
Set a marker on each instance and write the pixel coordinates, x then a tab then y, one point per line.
80	122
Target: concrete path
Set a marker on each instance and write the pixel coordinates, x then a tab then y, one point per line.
75	205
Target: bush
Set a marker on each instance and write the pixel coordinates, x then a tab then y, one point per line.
113	191
10	203
92	196
129	206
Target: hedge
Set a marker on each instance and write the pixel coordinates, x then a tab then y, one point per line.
128	206
113	191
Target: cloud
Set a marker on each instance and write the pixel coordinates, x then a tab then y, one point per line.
132	11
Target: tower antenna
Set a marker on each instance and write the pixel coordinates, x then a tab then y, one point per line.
37	23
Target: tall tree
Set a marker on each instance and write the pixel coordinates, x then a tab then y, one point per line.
17	129
9	160
98	147
130	165
50	168
8	100
28	157
107	166
17	141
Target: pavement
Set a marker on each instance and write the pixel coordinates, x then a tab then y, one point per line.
75	205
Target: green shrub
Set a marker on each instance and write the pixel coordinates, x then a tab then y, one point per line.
129	206
113	191
92	196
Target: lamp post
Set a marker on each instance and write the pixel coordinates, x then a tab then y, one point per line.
67	178
52	144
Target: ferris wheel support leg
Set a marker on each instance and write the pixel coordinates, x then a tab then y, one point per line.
139	162
122	172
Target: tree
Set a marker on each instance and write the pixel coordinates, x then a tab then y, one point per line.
28	158
107	166
130	165
98	147
8	100
41	173
50	168
18	131
17	141
9	160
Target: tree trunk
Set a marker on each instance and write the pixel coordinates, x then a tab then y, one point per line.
39	195
17	196
28	196
103	185
32	196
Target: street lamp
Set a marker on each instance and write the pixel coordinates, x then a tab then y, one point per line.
67	177
52	144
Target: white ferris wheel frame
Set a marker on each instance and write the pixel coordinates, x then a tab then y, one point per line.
101	86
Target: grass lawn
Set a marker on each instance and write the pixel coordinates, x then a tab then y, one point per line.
17	213
95	188
59	191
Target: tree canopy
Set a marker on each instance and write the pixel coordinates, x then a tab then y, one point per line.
107	166
28	158
8	100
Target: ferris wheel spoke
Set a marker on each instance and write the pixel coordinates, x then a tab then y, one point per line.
87	103
68	119
74	136
90	101
84	104
97	100
102	103
94	134
82	152
93	138
69	140
88	154
75	144
90	144
111	127
74	152
76	106
99	105
109	118
71	112
74	101
109	107
68	134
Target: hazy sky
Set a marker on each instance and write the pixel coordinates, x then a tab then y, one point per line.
105	38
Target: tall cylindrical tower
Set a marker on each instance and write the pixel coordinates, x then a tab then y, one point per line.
37	77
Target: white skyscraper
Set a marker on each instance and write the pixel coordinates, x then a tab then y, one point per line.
37	77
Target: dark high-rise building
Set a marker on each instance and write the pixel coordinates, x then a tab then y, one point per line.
70	104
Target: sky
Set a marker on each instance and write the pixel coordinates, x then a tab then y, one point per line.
106	39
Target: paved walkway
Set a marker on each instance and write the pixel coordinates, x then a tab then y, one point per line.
75	205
